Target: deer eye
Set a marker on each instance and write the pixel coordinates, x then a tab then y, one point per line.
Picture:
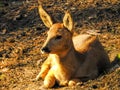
58	37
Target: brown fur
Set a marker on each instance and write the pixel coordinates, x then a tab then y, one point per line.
71	59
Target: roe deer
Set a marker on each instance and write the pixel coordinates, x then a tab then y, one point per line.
71	59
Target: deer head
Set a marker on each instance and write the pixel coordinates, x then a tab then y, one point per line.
59	37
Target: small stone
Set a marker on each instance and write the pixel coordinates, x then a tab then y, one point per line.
73	8
39	62
4	70
18	17
4	31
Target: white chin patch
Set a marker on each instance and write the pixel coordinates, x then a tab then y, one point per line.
42	52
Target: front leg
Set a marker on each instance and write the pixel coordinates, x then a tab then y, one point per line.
44	69
49	80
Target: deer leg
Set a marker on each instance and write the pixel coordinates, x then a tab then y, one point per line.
43	72
49	80
44	69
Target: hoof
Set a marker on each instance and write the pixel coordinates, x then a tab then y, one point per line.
71	83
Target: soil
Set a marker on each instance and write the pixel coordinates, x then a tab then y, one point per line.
22	34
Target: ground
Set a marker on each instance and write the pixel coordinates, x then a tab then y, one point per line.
22	34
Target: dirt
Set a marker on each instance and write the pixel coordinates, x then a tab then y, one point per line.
22	34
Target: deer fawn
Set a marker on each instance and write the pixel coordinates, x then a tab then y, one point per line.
71	59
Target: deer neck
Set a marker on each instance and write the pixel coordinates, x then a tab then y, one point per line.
67	53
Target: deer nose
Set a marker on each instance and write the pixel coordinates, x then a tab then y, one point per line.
45	50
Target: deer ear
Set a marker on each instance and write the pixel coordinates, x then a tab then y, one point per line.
67	21
45	17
